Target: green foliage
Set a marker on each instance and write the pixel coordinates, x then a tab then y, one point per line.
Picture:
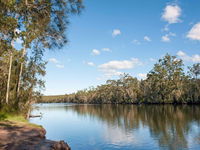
166	83
2	116
33	70
41	25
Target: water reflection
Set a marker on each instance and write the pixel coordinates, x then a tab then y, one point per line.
140	127
169	124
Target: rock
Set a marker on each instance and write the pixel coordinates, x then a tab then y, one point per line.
61	146
25	137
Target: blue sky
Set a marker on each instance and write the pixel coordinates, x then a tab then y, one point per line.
111	37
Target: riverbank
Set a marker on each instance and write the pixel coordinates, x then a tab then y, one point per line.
66	99
18	135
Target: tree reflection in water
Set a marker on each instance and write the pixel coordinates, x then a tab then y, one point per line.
169	125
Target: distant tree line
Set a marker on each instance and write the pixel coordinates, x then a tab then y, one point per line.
27	29
167	82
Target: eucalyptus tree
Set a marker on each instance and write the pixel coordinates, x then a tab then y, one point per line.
40	25
131	88
44	23
193	92
165	81
194	71
8	24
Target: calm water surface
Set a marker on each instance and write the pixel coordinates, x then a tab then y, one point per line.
124	127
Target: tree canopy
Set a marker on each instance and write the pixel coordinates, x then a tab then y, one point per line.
166	83
38	25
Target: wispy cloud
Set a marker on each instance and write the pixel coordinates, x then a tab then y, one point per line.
106	49
194	33
136	42
152	60
167	37
116	32
113	68
60	66
146	38
96	52
172	14
90	63
53	60
194	58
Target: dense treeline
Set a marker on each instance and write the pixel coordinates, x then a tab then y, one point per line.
27	29
167	82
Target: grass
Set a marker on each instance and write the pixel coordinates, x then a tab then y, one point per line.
17	119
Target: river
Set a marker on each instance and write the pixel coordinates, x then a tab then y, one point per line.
124	127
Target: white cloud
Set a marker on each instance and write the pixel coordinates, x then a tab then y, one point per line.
95	52
194	33
171	14
142	75
56	62
53	60
181	54
60	66
110	73
112	67
152	59
124	64
90	63
136	42
146	38
116	32
106	49
166	37
194	58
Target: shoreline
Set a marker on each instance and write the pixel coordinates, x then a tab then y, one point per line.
26	136
174	104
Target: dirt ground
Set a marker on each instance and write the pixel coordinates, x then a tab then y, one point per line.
15	136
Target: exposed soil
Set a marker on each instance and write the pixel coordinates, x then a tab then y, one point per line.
14	136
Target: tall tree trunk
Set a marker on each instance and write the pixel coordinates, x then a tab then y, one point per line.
20	71
10	69
8	81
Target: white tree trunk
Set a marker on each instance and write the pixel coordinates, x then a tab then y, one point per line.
20	71
9	72
9	75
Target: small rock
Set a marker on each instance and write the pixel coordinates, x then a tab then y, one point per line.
61	146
